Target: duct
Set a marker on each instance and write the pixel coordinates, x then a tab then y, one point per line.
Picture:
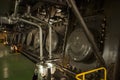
87	32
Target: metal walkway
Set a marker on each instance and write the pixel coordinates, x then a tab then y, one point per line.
14	66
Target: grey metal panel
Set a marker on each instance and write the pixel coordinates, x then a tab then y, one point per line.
112	12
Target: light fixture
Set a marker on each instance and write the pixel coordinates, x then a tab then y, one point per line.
5	31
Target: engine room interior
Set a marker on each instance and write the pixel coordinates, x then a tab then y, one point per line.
59	40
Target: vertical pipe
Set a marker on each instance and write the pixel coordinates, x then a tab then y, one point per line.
50	34
41	44
27	14
40	35
50	42
16	7
87	32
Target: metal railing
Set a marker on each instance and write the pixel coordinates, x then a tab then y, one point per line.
82	76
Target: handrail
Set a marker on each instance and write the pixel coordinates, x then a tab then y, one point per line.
92	71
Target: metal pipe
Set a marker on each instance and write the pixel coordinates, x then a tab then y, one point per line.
16	7
87	32
28	9
50	34
6	20
33	59
66	33
65	69
40	35
50	43
37	19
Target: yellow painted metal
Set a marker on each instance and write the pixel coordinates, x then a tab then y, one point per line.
82	75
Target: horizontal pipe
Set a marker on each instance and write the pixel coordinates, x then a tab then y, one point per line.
31	54
5	20
33	59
